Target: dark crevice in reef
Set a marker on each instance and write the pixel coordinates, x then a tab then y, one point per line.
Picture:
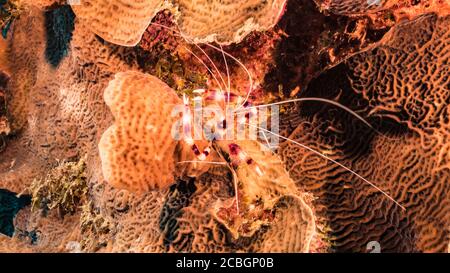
177	198
354	136
60	24
10	205
303	24
314	42
334	84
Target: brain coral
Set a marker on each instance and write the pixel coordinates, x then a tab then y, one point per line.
415	82
124	22
401	82
351	6
179	219
412	91
67	102
137	152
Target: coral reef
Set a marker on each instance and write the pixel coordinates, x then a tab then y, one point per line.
88	162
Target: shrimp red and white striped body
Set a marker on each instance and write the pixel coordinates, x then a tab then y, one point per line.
220	125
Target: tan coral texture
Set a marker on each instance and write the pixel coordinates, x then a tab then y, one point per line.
119	22
137	152
124	22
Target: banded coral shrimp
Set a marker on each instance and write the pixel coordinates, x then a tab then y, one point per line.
258	174
246	105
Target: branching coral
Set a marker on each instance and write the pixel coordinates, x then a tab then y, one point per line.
201	21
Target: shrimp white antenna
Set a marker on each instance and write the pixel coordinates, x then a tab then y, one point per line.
228	74
250	89
315	99
332	102
179	34
333	161
214	66
204	162
203	63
